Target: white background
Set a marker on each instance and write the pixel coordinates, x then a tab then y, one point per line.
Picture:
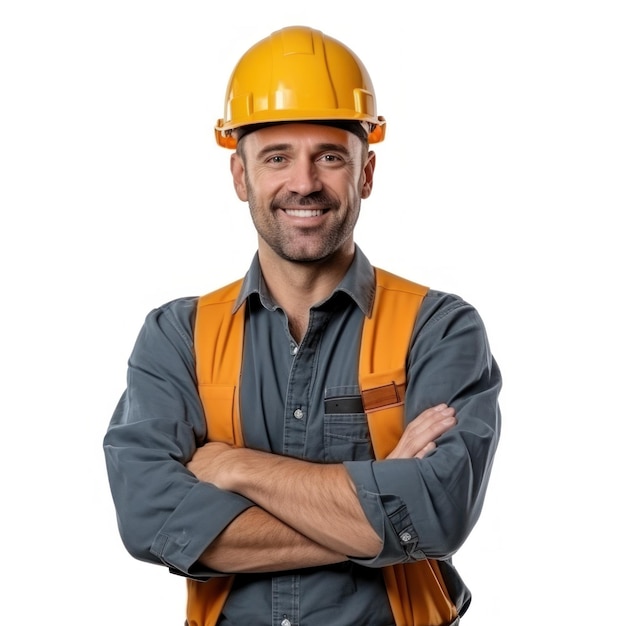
502	179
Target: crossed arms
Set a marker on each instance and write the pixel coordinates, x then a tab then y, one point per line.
307	514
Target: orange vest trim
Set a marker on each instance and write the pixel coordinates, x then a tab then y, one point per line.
416	591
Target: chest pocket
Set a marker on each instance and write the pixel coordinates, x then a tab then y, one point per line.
346	430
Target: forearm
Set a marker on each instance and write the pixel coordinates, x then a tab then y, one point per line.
317	500
257	542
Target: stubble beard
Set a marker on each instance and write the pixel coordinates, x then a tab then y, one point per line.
317	246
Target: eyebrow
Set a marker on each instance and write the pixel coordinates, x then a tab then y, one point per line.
274	147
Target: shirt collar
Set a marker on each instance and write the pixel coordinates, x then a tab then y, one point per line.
359	283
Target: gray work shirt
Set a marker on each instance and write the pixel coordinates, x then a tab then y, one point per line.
420	508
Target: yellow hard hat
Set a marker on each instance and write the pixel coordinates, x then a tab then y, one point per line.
298	74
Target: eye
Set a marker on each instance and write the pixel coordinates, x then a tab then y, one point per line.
276	159
330	158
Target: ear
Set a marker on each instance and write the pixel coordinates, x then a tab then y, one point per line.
368	175
238	171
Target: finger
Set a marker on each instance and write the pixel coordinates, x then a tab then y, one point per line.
430	427
437	429
432	415
428	448
423	430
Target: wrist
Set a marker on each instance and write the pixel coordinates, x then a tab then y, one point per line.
249	471
237	469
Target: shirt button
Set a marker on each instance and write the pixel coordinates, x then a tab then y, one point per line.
405	536
298	414
294	349
285	622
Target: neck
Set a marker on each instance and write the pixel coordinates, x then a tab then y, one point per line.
296	287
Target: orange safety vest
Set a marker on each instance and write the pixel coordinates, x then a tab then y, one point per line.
417	592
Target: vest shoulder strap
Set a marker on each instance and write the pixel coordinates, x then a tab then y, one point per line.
382	363
218	344
417	592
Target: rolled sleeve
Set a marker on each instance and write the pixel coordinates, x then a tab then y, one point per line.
388	515
179	543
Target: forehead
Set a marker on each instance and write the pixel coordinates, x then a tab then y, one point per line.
301	136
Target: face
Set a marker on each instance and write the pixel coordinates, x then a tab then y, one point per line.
304	184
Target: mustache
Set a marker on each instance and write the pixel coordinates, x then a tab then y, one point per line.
317	199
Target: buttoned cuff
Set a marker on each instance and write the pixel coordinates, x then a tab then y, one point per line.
389	517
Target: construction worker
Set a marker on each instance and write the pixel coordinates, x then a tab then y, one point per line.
309	445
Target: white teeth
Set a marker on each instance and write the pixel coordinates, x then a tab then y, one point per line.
304	212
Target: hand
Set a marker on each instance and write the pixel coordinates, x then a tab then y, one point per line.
418	439
210	463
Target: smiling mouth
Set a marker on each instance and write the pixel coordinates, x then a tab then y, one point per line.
305	212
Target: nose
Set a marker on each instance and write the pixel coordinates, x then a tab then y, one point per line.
304	177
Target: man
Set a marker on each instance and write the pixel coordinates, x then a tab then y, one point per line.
297	524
